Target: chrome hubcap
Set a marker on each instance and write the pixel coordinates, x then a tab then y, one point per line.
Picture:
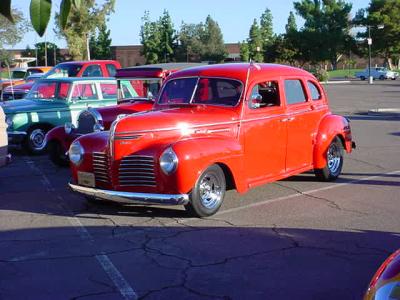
37	139
334	158
210	191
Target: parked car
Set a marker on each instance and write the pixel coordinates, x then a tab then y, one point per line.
378	73
385	285
144	83
4	157
214	128
52	102
15	92
92	68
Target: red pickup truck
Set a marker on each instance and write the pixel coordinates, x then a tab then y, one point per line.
91	68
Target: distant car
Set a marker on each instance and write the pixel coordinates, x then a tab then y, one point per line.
378	73
3	139
385	285
137	89
214	128
53	102
91	68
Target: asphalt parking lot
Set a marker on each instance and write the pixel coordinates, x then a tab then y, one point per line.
293	239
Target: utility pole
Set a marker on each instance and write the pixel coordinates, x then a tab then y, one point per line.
87	47
45	50
370	79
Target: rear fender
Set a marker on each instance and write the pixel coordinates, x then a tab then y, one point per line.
330	127
196	154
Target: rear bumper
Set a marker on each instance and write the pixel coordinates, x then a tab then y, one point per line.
132	198
16	137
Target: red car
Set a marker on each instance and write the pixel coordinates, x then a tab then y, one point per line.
213	128
91	68
137	88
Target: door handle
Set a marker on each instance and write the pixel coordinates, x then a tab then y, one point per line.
288	119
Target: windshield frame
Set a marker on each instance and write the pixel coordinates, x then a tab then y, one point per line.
239	101
119	82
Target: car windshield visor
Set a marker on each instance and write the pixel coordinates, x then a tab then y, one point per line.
203	90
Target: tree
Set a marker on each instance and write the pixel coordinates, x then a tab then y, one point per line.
212	39
40	11
255	43
12	33
167	37
267	33
291	25
244	51
386	40
326	30
150	39
100	45
190	47
83	23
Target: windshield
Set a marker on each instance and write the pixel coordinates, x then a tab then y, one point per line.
208	91
18	74
138	88
49	90
64	70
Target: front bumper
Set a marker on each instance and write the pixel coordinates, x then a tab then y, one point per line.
132	198
16	137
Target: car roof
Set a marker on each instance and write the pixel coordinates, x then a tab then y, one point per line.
88	62
239	71
74	79
153	70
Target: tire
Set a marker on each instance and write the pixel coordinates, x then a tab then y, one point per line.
381	77
35	140
334	163
362	78
208	193
57	154
394	78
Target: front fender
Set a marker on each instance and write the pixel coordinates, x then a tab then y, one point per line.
58	134
330	127
196	154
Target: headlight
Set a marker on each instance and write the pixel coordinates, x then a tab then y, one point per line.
98	127
168	161
76	153
9	122
68	127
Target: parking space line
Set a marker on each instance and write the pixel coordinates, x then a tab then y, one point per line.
305	193
113	273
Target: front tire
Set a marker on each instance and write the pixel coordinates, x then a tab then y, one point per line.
208	193
334	157
35	141
57	154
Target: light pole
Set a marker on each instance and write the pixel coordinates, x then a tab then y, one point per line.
370	78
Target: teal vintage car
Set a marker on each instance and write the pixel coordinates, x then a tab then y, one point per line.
54	102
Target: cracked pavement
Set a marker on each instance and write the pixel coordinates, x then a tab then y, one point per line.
292	239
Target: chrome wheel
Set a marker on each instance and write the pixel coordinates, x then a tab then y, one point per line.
211	191
36	139
334	157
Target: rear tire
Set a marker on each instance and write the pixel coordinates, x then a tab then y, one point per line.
362	78
57	154
208	193
334	157
381	77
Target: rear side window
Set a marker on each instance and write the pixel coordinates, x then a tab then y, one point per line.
294	92
84	91
112	70
314	90
93	71
109	90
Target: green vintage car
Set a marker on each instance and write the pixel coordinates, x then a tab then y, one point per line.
54	102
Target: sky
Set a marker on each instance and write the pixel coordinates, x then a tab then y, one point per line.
234	17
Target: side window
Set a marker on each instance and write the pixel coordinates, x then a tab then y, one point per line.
84	91
265	94
294	92
92	71
314	90
112	70
108	90
63	89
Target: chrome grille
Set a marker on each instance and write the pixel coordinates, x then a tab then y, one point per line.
101	167
86	121
137	170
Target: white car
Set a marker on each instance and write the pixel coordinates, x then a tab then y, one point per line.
4	157
378	73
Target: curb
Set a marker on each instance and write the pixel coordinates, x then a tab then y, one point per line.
389	112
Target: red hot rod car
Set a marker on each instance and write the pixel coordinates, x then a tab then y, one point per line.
214	128
137	88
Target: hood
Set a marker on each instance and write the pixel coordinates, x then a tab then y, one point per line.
26	105
24	87
178	118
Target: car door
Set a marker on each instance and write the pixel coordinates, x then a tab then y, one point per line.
302	118
264	133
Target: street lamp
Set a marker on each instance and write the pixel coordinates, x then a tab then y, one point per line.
370	78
